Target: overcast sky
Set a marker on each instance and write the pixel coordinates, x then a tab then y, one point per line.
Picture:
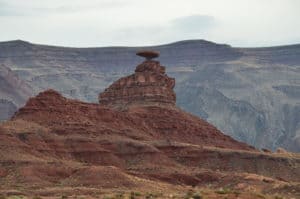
85	23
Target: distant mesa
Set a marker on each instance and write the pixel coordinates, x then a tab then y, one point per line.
148	54
149	85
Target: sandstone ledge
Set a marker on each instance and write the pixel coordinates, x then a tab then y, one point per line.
149	85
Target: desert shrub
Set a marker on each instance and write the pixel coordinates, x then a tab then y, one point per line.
236	193
151	195
15	197
64	197
22	137
260	196
278	197
107	197
197	196
132	195
2	196
223	191
119	196
189	194
137	194
36	197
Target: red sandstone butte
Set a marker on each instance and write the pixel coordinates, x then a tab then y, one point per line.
57	142
149	85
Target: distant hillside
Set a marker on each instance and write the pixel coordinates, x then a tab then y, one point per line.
252	94
13	92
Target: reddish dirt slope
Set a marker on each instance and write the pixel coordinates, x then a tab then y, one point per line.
57	142
64	116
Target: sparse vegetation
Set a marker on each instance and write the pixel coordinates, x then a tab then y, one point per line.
197	196
152	195
137	194
261	196
64	197
223	191
119	196
278	197
15	197
36	197
192	195
107	197
195	193
189	194
132	195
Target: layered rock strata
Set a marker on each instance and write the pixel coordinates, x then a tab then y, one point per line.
55	142
149	85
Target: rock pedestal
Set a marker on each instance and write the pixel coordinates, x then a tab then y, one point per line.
149	85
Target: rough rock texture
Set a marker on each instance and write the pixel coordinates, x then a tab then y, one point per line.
149	85
250	94
13	92
147	122
12	87
7	108
53	143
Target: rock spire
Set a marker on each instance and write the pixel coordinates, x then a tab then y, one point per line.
149	85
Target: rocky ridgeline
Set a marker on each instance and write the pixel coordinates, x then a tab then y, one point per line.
251	94
145	97
54	140
149	85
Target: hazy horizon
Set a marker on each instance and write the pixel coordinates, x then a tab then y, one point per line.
100	23
154	45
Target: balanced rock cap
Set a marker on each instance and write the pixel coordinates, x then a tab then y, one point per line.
149	85
148	54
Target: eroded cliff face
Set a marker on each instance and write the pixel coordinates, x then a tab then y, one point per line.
51	109
56	143
13	92
149	85
12	87
250	94
7	108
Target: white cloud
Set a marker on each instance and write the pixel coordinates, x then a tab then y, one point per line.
193	23
136	22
